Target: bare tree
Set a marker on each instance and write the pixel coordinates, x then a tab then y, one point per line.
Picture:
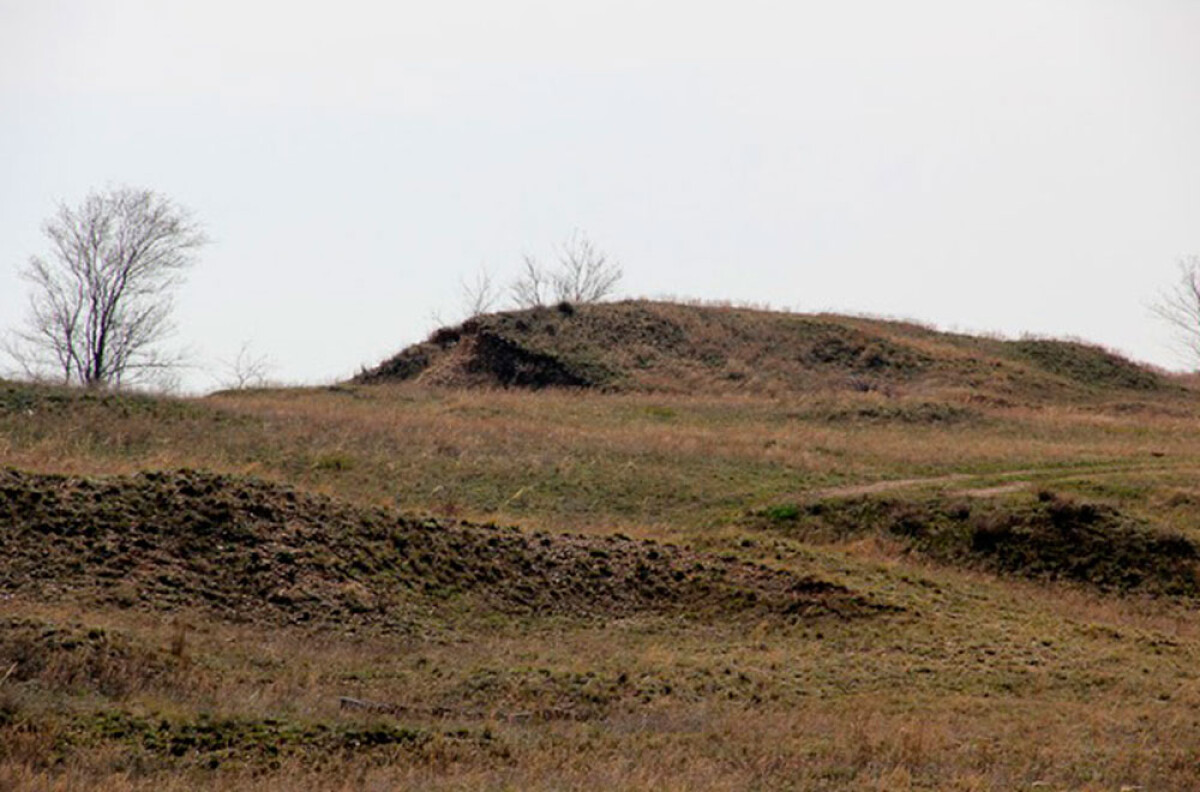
247	370
1179	307
479	295
584	275
101	301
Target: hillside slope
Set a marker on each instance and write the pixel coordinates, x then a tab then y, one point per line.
880	590
667	347
247	550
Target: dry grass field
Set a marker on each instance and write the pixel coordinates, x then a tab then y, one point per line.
976	569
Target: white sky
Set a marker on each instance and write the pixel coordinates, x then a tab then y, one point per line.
1010	166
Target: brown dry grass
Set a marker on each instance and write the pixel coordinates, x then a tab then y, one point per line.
979	683
557	459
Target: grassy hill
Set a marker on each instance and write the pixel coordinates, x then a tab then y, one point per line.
667	347
884	558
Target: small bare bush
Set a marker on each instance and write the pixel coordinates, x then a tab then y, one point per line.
248	370
480	294
584	274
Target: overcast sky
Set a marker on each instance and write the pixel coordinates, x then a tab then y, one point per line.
1010	166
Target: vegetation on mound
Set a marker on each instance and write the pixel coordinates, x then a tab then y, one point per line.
1049	538
917	413
152	743
245	549
32	399
214	740
638	345
76	659
1088	365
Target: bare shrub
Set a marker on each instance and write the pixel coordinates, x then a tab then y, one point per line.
480	294
247	370
584	274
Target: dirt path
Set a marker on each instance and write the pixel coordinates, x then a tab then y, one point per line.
986	487
992	492
889	485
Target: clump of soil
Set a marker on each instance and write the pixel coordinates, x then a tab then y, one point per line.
246	550
1049	538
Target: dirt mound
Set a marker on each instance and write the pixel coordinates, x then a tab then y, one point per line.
647	346
248	550
1049	538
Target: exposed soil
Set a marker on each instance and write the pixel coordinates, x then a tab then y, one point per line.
890	485
1023	479
246	550
479	353
996	491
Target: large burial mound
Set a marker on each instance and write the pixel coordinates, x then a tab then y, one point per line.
246	550
650	346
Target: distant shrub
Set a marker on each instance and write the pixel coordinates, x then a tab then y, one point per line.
334	462
784	512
